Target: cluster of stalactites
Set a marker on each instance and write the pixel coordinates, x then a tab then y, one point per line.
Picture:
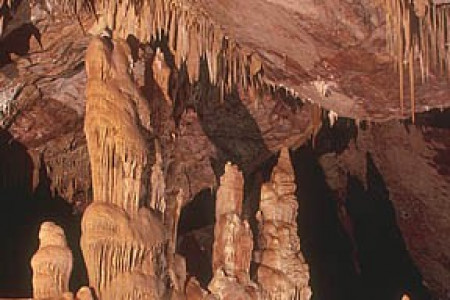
418	30
192	37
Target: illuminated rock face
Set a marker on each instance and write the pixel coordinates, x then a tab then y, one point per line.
282	272
117	118
233	241
123	241
52	263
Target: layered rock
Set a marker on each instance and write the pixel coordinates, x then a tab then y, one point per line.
52	263
123	241
233	241
282	272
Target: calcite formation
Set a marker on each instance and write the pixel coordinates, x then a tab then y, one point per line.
233	241
52	263
417	30
282	272
117	121
158	201
123	241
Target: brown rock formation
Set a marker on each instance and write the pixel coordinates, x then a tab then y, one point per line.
117	117
243	47
52	263
158	199
123	242
282	272
233	241
84	293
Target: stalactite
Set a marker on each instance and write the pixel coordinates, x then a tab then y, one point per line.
417	30
192	35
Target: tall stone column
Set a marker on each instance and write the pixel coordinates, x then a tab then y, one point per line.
233	241
123	241
282	272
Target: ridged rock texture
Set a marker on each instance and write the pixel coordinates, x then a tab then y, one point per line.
52	263
123	241
417	31
282	271
238	81
233	241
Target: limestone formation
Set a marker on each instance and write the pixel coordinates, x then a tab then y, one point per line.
117	118
84	293
52	263
417	30
123	241
233	241
158	201
161	73
282	272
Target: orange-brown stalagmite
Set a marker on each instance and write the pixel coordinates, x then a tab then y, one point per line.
233	241
117	121
52	263
282	272
123	241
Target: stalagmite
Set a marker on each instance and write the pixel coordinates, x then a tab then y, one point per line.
233	241
52	263
116	116
282	272
84	293
123	242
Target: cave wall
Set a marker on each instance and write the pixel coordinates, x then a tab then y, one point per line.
411	162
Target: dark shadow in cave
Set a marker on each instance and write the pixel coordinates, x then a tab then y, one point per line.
387	270
16	232
336	138
23	210
198	213
195	235
324	243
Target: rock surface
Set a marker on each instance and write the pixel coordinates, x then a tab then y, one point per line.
224	81
52	263
233	241
282	272
123	242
